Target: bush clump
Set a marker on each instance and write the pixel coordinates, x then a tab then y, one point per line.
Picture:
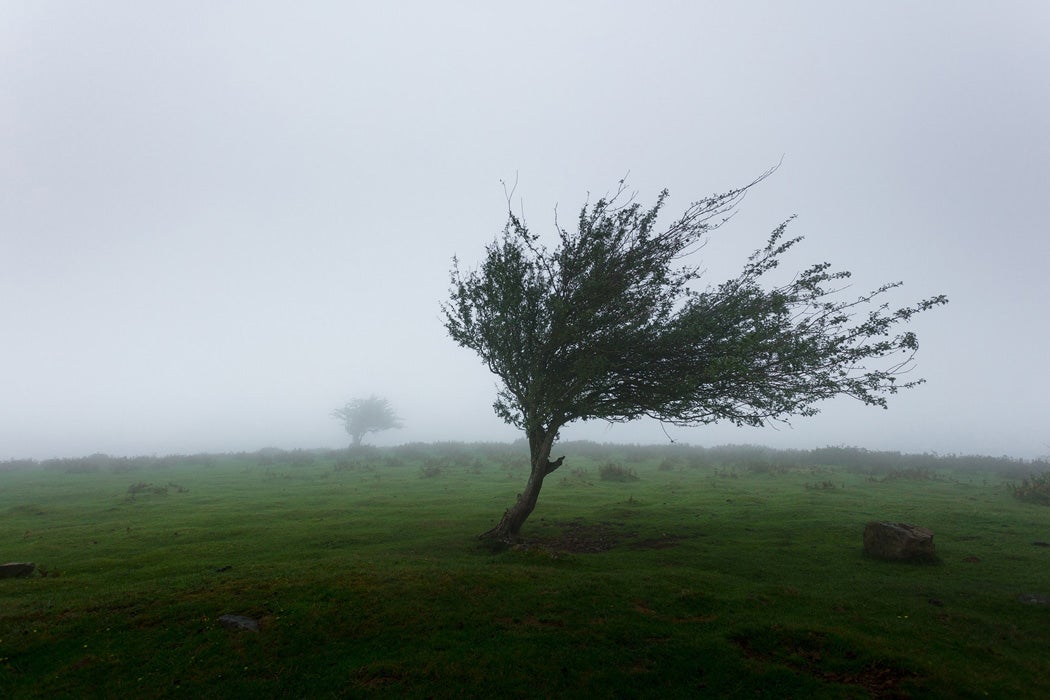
610	471
825	485
147	488
1034	489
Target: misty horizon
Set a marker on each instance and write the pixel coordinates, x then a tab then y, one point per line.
220	224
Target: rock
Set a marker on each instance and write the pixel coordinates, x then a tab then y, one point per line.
239	622
898	542
17	569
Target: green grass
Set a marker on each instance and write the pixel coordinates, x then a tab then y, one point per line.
369	581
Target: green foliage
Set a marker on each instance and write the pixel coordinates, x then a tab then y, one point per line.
611	471
431	470
1034	489
363	416
606	326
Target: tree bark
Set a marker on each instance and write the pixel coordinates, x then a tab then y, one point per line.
508	529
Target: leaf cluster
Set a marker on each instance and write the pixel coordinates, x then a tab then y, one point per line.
610	325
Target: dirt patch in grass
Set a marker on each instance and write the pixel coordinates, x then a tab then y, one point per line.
831	659
579	537
531	622
661	542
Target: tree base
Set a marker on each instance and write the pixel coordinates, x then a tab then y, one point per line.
492	544
498	538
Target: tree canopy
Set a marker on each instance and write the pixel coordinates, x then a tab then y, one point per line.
611	324
363	416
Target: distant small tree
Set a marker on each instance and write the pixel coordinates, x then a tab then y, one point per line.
363	416
610	325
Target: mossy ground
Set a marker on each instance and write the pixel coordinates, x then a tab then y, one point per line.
368	581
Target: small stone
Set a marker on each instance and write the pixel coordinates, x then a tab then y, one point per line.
17	569
239	622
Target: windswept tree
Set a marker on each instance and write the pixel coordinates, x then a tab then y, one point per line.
363	416
611	325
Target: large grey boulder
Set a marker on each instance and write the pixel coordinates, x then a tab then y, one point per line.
17	569
898	542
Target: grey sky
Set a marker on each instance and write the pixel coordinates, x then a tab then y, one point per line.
219	221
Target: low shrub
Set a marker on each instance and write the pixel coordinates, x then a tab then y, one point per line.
825	485
610	471
1034	488
764	467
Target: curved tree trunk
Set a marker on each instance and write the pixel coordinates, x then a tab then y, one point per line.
508	529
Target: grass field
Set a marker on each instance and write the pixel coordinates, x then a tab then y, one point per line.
700	578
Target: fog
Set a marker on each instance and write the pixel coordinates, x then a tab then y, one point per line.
220	221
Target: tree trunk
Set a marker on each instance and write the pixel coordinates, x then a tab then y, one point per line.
508	529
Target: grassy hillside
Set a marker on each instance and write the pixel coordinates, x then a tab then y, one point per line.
708	574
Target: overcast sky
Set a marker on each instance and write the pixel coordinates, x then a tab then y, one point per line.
221	220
